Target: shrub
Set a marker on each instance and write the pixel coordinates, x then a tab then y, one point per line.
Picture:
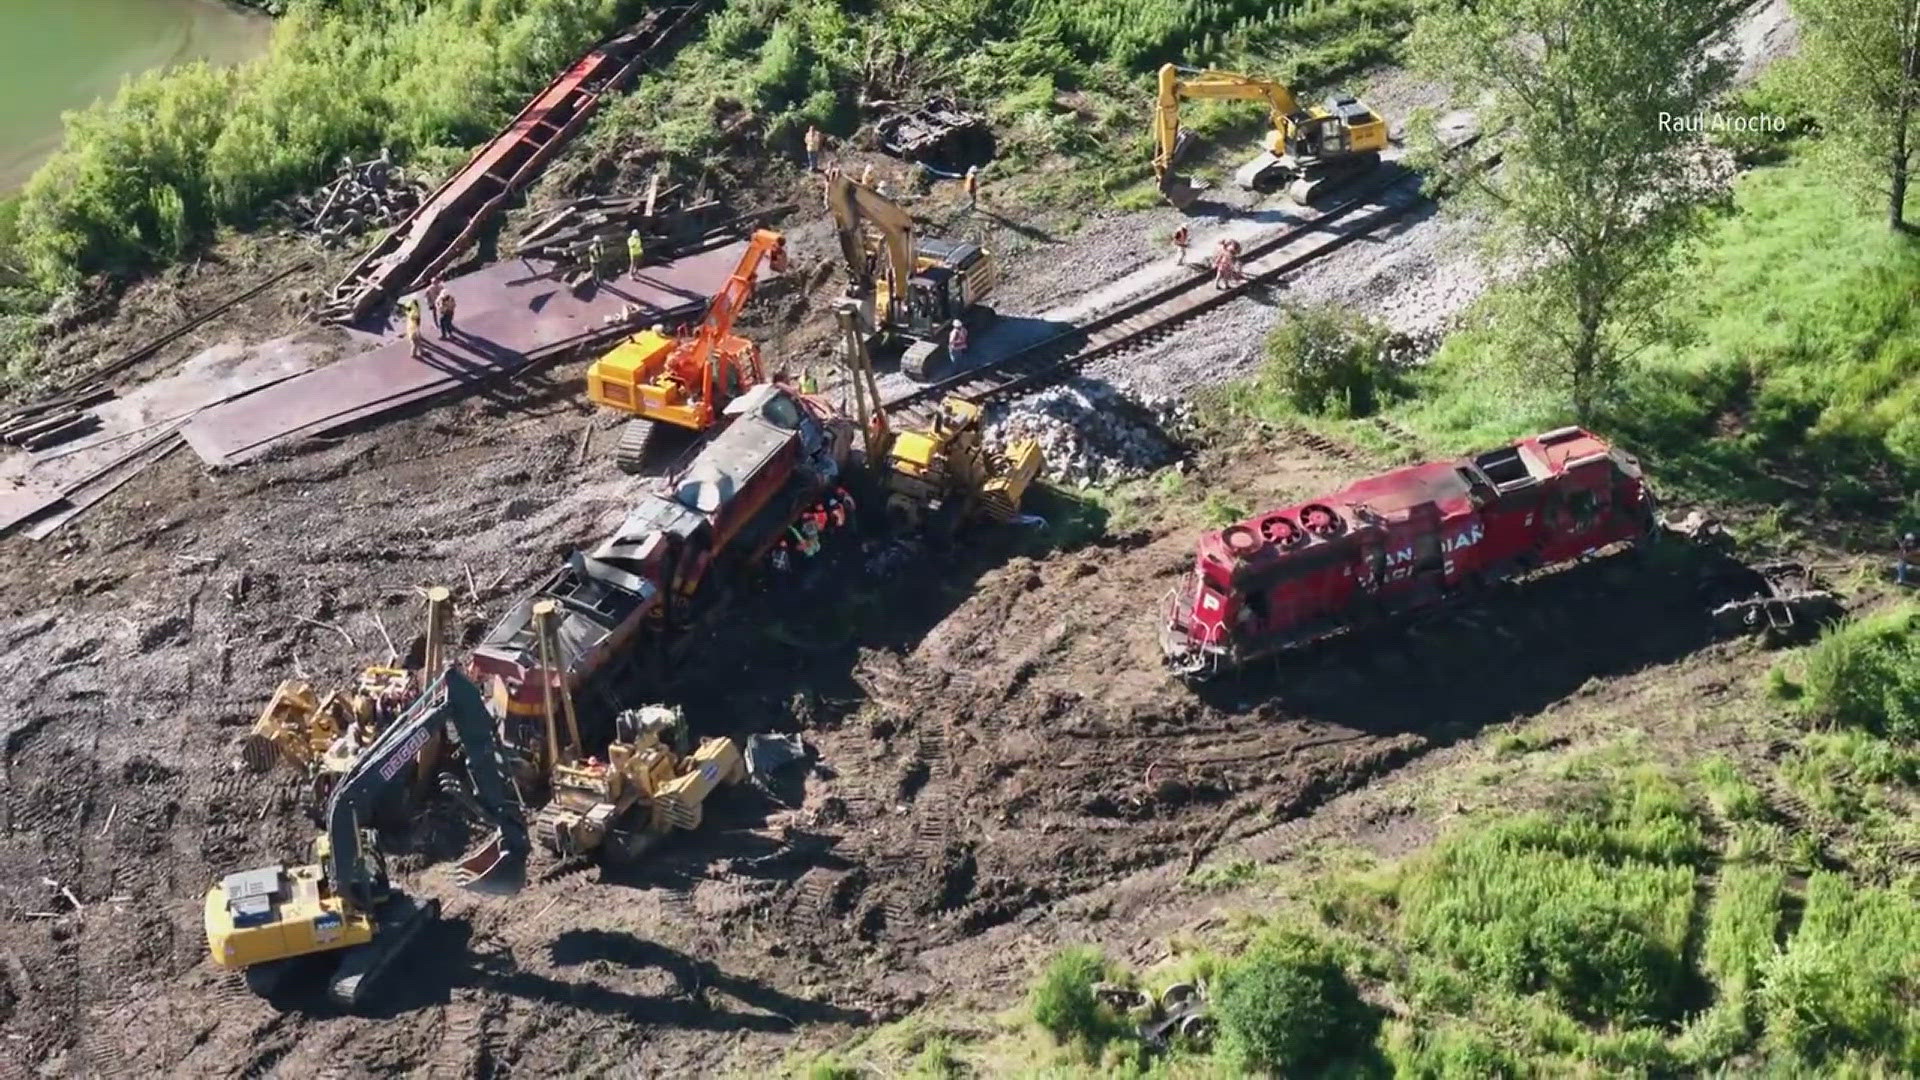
1328	361
146	176
1740	936
1454	1052
1866	674
1063	1002
1845	982
1287	1006
1590	906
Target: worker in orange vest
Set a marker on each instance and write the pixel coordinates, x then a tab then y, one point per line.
814	141
957	341
1181	238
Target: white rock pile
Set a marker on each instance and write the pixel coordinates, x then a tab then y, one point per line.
1094	432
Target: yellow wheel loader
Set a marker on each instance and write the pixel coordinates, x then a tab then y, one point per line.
1308	148
685	381
910	290
942	477
342	911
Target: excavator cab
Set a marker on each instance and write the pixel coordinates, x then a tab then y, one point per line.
685	380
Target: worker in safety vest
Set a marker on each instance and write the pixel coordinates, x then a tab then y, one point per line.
596	257
814	141
413	306
806	537
1182	236
635	252
443	312
807	383
957	341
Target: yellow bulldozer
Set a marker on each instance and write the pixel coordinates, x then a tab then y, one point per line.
617	809
320	735
939	478
1308	148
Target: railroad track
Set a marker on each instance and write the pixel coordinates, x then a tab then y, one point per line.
1142	321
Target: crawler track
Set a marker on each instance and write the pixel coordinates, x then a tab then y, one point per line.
1142	321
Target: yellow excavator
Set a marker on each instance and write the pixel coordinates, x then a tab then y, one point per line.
342	909
910	289
687	380
1306	148
940	478
617	809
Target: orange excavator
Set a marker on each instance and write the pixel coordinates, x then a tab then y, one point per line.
685	380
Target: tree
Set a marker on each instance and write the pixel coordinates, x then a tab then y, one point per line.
1861	71
1592	103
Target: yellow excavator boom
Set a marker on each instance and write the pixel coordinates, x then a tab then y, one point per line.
855	206
1342	136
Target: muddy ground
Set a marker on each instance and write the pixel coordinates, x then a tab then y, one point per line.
999	763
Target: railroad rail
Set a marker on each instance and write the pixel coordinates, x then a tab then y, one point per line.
1141	321
449	220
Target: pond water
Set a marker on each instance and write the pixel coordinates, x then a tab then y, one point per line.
58	55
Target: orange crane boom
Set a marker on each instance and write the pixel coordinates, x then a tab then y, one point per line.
686	381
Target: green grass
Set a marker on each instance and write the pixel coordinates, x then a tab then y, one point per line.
146	177
1063	1004
1797	376
1062	81
1844	984
1865	674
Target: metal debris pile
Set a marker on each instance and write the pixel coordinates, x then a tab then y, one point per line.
1093	432
364	195
936	133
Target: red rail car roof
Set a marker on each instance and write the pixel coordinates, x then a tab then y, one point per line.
1390	495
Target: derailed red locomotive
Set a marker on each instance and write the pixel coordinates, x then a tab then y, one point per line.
1403	540
779	458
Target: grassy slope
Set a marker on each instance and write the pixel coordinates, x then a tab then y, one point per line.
1603	896
1798	380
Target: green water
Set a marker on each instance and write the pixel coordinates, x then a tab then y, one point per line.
57	55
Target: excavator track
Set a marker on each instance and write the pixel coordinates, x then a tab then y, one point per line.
636	438
550	823
400	921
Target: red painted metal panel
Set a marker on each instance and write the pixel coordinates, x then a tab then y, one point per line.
520	318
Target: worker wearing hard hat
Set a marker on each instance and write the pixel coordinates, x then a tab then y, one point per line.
635	252
957	341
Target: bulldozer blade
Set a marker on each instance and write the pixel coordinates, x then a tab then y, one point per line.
1180	190
490	869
